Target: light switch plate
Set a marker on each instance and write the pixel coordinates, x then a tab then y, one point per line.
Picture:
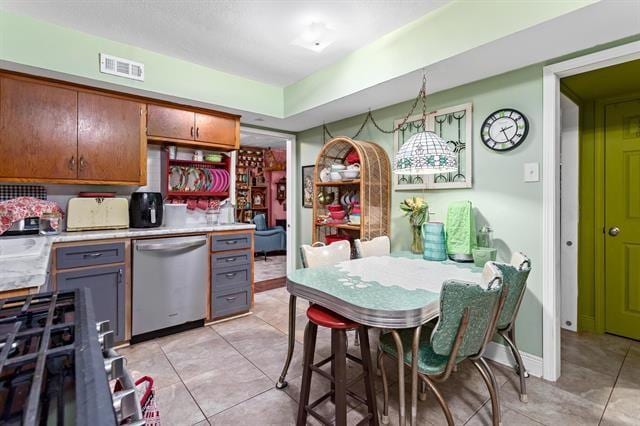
531	172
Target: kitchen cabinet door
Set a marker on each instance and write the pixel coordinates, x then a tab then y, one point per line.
217	130
111	140
171	123
107	292
38	130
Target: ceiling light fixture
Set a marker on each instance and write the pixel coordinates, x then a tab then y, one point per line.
316	37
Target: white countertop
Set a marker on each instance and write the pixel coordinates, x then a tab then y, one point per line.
31	271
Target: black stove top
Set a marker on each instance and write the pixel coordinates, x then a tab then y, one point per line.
52	369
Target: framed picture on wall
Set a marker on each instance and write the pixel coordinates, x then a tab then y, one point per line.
308	173
454	125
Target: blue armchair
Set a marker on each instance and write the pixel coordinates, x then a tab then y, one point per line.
268	239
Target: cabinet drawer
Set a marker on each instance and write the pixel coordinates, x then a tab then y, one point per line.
231	302
227	260
231	277
95	254
230	242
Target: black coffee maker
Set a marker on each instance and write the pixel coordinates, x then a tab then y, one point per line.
145	210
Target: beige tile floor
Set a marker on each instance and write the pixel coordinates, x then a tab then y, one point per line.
275	267
225	375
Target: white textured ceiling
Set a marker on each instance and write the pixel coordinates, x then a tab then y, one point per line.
257	140
249	38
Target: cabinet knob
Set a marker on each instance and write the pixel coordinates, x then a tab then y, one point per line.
72	163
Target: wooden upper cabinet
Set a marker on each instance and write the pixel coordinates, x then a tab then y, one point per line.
171	123
111	140
38	130
217	130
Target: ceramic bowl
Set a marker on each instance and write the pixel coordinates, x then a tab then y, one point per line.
335	207
336	176
337	167
350	174
338	215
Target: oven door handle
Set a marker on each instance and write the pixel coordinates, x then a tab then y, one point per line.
171	246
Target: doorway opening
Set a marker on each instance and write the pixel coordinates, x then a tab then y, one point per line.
263	197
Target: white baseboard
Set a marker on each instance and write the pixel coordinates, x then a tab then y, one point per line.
502	355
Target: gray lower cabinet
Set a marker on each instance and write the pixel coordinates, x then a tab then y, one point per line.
231	274
107	292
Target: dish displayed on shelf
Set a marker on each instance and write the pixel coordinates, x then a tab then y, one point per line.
198	179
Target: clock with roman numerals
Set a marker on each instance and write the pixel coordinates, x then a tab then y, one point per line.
504	130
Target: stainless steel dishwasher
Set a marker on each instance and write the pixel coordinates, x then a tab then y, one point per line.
169	282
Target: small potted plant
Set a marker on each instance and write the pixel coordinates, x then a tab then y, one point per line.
417	209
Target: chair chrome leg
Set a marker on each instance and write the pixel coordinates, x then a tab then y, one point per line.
422	395
486	375
385	389
496	388
520	370
282	383
440	399
402	417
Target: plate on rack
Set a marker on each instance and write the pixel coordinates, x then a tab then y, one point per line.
217	180
176	178
225	180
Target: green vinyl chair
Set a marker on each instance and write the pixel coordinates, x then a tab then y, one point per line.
467	322
515	279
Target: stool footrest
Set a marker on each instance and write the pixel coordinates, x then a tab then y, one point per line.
355	396
366	420
322	419
321	372
323	362
354	358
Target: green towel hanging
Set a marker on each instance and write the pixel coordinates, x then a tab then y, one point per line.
461	230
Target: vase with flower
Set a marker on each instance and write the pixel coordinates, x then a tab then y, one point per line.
417	209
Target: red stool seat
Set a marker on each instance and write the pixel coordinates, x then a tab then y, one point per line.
326	318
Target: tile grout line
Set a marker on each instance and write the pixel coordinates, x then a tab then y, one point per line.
183	383
615	383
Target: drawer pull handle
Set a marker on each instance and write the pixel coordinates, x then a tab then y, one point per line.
230	259
91	255
230	274
231	299
232	242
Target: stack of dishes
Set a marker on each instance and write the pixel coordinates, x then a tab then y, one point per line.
198	179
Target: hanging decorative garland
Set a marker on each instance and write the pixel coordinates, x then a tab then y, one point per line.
422	96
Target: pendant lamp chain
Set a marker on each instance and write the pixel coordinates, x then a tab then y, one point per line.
422	97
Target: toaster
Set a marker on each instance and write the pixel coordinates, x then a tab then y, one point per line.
85	214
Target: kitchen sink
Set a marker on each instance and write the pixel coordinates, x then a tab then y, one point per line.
19	247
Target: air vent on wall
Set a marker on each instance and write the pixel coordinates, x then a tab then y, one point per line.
121	67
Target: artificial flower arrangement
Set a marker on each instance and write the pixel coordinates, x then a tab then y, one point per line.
417	209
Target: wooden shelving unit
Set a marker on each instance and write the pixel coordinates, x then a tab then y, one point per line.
249	169
373	188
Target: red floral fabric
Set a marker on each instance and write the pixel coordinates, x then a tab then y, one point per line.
22	208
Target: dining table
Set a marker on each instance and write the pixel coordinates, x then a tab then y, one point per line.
393	292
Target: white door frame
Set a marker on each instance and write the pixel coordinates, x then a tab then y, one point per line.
292	199
551	190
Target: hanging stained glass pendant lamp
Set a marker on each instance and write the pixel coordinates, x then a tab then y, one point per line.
425	153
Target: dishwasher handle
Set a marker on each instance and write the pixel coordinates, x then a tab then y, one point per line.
171	246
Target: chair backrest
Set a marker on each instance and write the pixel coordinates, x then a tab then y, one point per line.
379	246
467	315
314	255
260	220
515	279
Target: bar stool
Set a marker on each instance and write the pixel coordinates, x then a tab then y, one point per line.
319	316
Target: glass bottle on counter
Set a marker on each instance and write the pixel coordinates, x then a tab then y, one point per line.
50	223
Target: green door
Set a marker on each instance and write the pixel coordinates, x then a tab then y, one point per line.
622	219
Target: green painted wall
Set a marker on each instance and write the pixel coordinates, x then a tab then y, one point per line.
448	31
31	42
502	199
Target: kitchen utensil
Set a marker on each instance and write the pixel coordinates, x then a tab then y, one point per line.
336	176
175	215
483	255
227	213
337	167
325	174
50	223
173	152
213	158
335	208
325	198
145	210
198	155
350	174
338	215
353	167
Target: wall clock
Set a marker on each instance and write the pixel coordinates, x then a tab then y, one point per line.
504	130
